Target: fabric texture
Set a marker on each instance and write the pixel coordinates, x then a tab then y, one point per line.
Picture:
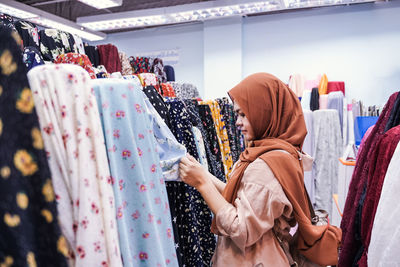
201	150
306	100
394	118
314	102
336	86
54	43
93	54
384	246
74	143
158	69
185	90
28	33
29	229
170	72
265	100
323	85
327	151
143	214
32	57
7	21
158	103
150	79
323	101
350	242
335	101
140	64
246	229
109	57
126	66
296	83
77	59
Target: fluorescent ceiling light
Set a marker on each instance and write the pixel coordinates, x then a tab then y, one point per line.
99	4
40	17
198	12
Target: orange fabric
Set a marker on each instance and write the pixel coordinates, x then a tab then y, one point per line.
323	85
277	120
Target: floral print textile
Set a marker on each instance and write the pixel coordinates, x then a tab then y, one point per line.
140	64
201	150
79	47
28	32
54	43
77	59
158	103
93	54
32	57
74	142
29	230
143	214
167	90
109	57
150	79
126	66
157	68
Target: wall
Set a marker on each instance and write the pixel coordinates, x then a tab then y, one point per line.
358	44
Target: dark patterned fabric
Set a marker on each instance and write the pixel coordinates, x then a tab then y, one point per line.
192	215
32	57
394	118
158	103
54	43
28	32
93	54
77	59
7	21
314	102
158	69
29	230
140	64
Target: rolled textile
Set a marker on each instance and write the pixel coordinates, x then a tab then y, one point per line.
32	57
73	138
385	246
306	100
323	101
79	60
109	57
93	54
336	86
394	118
327	150
29	33
126	66
335	101
297	83
170	72
323	85
314	103
79	47
308	147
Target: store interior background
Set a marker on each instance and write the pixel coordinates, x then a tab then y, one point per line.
357	44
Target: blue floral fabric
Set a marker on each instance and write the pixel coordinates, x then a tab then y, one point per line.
32	57
143	214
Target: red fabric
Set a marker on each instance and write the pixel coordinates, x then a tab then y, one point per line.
168	90
336	86
378	166
358	180
77	59
109	57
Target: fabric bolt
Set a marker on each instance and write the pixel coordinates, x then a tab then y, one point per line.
74	143
79	60
7	21
109	57
351	235
158	69
323	101
93	54
126	66
335	101
32	57
29	229
386	148
193	217
28	33
215	165
336	86
143	213
148	79
201	150
140	64
313	82
323	85
79	46
297	83
384	246
158	103
170	72
327	150
167	90
314	103
308	147
306	100
394	118
222	134
185	90
54	43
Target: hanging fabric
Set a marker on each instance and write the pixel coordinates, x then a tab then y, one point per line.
170	72
32	57
30	234
109	57
314	102
167	90
308	147
7	21
306	100
297	83
28	33
77	59
93	54
335	101
79	47
185	90
126	66
140	64
72	134
336	86
158	69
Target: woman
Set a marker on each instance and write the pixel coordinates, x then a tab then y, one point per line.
265	194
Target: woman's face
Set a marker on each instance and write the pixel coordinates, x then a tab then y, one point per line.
243	123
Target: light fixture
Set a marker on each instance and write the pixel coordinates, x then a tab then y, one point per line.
40	17
99	4
199	12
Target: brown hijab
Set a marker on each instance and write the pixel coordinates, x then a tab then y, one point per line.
277	120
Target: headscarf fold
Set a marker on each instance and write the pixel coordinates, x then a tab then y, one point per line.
276	117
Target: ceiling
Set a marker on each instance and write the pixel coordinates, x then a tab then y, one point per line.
72	9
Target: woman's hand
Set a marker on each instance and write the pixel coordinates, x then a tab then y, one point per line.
192	172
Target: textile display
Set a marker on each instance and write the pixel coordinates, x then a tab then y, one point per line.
77	59
28	33
323	85
32	57
73	138
335	101
308	147
297	83
109	57
126	66
140	64
54	43
93	54
79	46
336	86
158	69
314	102
30	234
306	100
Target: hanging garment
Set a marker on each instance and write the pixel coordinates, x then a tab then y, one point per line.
193	215
126	66
109	57
167	90
222	135
74	142
336	86
29	230
143	213
306	100
79	47
214	165
384	246
379	164
297	83
201	150
101	72
32	57
323	85
314	102
327	151
170	72
350	242
28	33
335	101
308	147
77	59
93	54
158	69
140	64
394	118
310	84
